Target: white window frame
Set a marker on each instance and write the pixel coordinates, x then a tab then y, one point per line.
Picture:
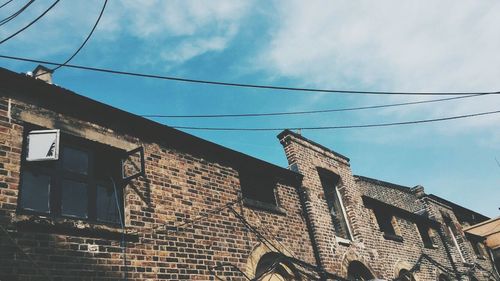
30	143
456	243
340	239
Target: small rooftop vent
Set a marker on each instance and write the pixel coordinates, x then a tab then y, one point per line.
43	73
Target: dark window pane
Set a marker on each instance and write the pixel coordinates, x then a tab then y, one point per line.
106	165
259	188
384	220
107	210
35	192
426	238
405	275
74	199
75	160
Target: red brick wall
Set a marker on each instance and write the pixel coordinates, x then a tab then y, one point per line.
178	188
383	256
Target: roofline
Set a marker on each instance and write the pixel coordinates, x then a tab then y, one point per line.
481	223
385	183
288	132
454	205
60	100
373	202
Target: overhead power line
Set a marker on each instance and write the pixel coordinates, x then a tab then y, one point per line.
31	23
17	13
307	112
6	3
243	85
86	39
340	126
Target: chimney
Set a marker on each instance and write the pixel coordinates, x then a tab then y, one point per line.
43	73
418	191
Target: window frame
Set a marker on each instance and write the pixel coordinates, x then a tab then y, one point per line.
389	221
424	230
55	170
330	184
479	249
250	179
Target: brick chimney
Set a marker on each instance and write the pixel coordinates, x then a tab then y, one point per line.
418	190
43	73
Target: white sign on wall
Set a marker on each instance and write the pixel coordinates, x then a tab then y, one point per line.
43	145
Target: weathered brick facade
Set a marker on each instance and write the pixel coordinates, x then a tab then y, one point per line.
188	219
383	255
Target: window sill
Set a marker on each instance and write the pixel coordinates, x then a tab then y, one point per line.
343	241
432	247
394	237
71	227
263	206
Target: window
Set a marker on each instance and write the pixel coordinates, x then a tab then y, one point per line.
258	188
329	181
272	267
358	272
386	222
78	185
479	249
405	275
425	234
453	232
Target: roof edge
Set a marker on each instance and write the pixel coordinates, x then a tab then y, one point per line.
289	132
403	188
57	98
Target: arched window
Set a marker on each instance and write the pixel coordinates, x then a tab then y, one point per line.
405	275
358	272
272	267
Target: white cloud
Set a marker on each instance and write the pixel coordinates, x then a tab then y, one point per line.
177	31
173	30
393	45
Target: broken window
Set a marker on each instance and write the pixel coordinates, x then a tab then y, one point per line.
405	275
329	181
387	224
384	220
77	185
358	272
425	234
479	249
258	187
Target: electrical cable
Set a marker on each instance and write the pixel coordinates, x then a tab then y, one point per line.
308	112
123	243
202	215
31	23
6	3
269	244
85	41
17	13
243	85
340	126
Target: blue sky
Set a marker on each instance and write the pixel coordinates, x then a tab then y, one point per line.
387	45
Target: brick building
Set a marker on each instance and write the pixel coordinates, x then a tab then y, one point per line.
200	211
